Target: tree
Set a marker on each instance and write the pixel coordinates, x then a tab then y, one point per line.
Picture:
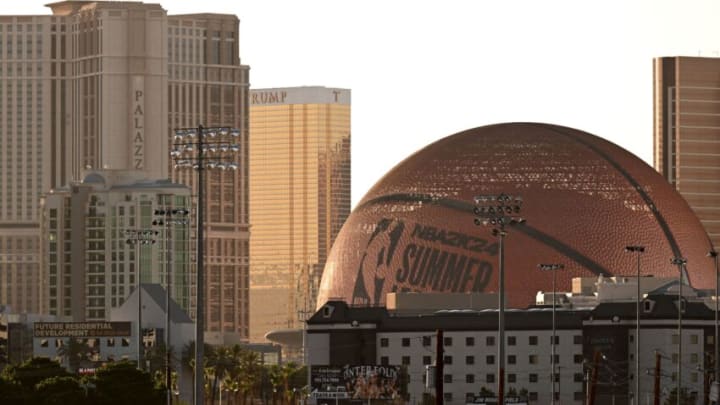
220	361
74	352
122	383
187	359
60	391
10	392
281	376
31	372
485	392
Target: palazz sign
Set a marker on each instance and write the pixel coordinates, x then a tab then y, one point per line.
406	257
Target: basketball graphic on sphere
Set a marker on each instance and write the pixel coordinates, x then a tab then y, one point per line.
584	200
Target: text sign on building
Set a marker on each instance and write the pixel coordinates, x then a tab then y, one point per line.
137	123
81	329
359	382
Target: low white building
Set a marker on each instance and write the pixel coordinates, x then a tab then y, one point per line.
595	350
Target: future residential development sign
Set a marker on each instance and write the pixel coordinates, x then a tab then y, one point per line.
81	329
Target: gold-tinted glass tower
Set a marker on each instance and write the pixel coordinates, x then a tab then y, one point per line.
687	133
299	198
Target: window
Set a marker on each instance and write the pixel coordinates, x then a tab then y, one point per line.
578	358
469	341
426	360
577	339
490	378
426	340
512	378
557	358
111	342
533	378
578	377
447	341
405	342
447	359
469	359
405	360
384	342
447	396
490	359
384	361
470	378
511	359
512	340
557	340
447	378
675	358
693	357
533	359
694	339
490	341
532	340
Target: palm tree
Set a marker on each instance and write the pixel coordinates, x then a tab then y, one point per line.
280	375
249	372
187	359
73	352
220	361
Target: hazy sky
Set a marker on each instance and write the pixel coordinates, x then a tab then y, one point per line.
422	70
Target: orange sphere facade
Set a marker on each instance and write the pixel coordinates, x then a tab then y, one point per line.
584	200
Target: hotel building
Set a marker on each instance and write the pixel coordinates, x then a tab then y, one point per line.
93	251
687	133
300	198
100	86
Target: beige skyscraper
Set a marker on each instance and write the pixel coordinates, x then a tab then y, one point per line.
101	85
299	198
687	133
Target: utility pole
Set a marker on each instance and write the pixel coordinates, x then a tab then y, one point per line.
594	378
439	368
656	390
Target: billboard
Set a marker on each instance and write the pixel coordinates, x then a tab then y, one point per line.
355	382
81	329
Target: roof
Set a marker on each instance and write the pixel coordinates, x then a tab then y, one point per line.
158	294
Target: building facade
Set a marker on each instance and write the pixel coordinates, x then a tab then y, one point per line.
300	197
594	350
207	85
101	85
98	235
687	133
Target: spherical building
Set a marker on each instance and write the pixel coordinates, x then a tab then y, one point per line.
584	200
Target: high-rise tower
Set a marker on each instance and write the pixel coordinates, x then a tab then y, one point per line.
299	198
100	85
687	133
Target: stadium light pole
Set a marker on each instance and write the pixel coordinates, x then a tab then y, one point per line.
680	262
203	148
165	217
498	212
137	238
714	255
554	268
638	250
